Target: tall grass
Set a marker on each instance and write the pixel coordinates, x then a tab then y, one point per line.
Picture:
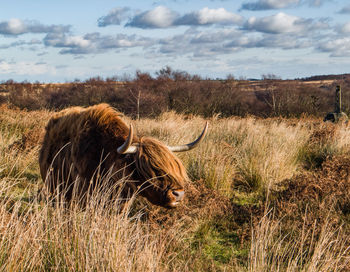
325	140
98	238
273	250
237	152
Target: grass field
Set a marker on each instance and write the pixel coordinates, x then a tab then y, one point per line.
265	195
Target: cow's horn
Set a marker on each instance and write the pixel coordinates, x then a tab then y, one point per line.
186	147
126	147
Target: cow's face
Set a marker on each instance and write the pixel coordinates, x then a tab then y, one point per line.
161	174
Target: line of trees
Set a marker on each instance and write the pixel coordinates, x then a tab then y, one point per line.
148	96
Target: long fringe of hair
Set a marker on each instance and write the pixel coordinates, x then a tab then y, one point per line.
154	159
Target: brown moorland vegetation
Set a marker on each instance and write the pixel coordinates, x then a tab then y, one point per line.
149	96
265	195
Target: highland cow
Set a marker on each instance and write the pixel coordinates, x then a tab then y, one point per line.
81	145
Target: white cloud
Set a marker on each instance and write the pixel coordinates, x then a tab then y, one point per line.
345	28
278	23
77	41
207	16
61	40
338	47
163	17
203	44
93	42
220	15
14	26
160	17
17	27
204	37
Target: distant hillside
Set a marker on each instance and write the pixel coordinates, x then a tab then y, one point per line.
326	77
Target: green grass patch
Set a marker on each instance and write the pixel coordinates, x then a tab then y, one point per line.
220	242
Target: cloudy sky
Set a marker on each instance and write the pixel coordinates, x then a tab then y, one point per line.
58	41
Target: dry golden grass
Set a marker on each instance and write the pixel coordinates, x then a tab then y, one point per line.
273	250
244	167
43	238
246	151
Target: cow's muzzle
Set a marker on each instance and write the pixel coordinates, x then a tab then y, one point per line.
174	198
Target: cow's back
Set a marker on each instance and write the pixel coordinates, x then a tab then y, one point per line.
80	141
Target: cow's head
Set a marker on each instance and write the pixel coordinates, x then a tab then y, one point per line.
161	174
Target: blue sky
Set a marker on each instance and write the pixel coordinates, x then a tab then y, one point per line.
58	41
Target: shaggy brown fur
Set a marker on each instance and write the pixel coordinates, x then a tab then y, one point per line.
80	147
